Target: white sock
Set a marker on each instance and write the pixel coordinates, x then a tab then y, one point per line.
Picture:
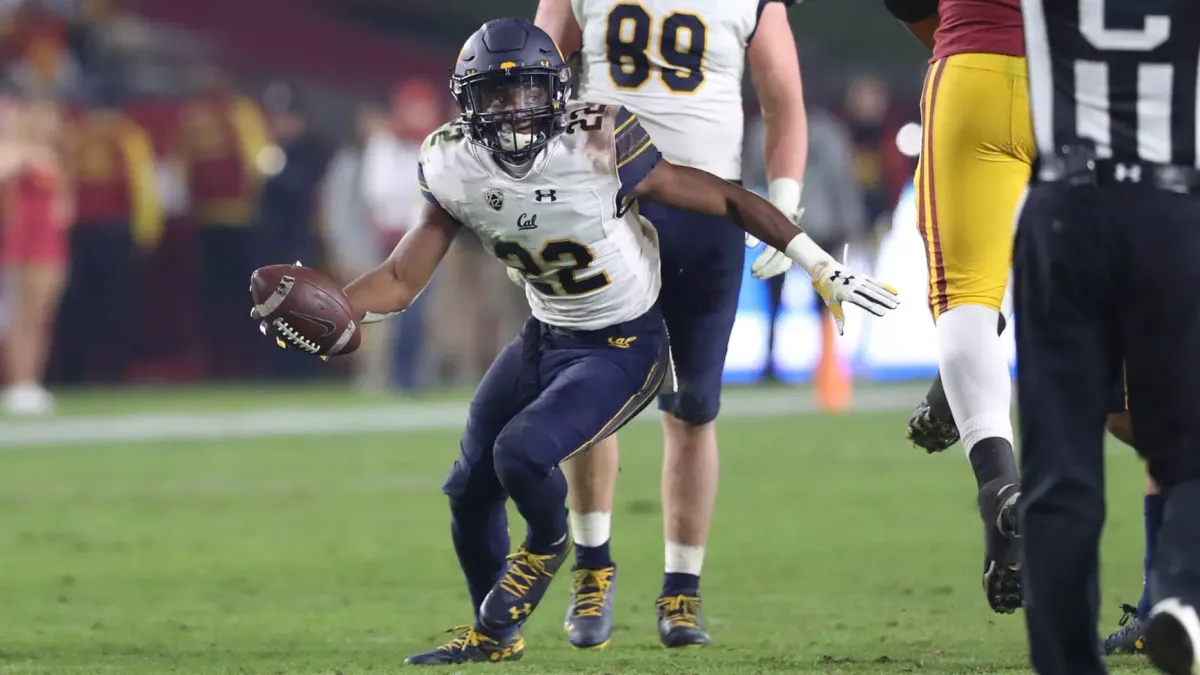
975	373
590	529
684	559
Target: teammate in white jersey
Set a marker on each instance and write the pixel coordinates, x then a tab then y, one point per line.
551	188
679	65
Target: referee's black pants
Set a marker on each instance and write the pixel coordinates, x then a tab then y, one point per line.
1100	273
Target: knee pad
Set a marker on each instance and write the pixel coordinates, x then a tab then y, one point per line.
455	484
521	453
472	476
692	405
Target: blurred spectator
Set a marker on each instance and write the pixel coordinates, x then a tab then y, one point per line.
394	201
38	210
834	207
294	165
118	215
36	43
86	22
352	240
476	312
220	140
882	170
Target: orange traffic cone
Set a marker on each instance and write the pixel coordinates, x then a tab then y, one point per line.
834	385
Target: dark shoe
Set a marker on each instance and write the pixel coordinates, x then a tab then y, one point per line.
589	622
680	623
526	578
470	646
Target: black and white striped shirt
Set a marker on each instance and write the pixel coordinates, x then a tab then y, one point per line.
1118	74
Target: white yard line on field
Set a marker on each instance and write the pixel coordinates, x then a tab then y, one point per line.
392	417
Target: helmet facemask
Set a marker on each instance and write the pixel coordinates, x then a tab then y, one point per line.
514	115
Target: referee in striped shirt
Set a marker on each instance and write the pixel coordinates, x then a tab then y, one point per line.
1107	272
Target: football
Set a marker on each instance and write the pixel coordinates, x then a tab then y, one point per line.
305	309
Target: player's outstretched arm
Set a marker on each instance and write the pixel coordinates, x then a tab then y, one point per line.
392	287
699	191
775	70
695	190
920	17
557	18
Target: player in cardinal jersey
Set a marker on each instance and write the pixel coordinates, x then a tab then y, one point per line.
976	157
976	115
552	189
679	65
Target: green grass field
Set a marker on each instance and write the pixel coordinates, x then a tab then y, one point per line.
837	548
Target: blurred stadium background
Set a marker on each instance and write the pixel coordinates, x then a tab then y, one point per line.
177	495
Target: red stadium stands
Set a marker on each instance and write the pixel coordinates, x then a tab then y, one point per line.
293	38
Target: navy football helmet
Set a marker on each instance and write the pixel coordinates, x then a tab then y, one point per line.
511	85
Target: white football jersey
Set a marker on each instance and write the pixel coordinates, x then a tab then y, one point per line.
679	65
589	261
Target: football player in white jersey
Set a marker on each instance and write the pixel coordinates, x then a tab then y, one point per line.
679	65
552	189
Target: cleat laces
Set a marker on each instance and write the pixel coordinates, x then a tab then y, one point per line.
1130	612
464	637
681	610
591	587
1118	639
523	571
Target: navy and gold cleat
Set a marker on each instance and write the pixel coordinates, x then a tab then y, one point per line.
680	623
1002	545
930	431
526	578
471	646
1130	635
589	622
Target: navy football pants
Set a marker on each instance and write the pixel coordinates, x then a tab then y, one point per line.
550	394
702	262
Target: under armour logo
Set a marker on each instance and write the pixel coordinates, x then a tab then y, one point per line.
545	196
527	222
1128	172
843	279
520	610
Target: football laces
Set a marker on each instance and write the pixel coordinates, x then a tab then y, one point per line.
293	336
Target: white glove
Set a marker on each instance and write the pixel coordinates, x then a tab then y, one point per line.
836	283
784	194
515	276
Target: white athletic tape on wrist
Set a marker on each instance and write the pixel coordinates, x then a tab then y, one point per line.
784	194
807	253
